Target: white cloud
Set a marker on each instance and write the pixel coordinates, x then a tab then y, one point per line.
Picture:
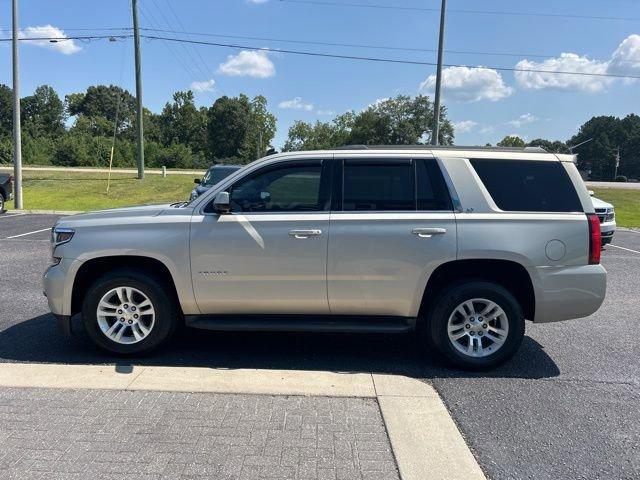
325	112
204	86
566	62
464	126
467	84
66	47
626	59
248	63
523	120
296	104
257	1
486	130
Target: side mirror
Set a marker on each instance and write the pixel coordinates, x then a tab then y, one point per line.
591	193
197	181
221	203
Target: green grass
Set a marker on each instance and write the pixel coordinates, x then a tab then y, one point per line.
626	203
88	191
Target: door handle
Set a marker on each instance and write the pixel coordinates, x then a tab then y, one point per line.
428	232
305	233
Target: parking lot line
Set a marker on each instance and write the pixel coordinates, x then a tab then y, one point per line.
11	215
624	248
29	233
424	438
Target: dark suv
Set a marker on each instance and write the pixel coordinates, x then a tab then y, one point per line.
211	177
6	190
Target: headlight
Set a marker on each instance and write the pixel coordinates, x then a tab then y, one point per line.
193	196
61	235
610	216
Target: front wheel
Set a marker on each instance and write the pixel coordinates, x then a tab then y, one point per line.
476	325
129	312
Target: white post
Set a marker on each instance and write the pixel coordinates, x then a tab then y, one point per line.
164	172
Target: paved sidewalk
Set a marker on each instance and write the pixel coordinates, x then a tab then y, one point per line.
111	434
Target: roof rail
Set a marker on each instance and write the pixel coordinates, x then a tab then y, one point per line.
440	147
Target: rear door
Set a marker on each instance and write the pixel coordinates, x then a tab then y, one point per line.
391	225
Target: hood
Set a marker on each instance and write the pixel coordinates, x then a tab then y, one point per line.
113	215
597	203
202	188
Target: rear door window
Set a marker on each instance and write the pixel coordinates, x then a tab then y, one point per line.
378	185
528	186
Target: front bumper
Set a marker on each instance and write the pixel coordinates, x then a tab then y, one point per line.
57	288
563	293
607	229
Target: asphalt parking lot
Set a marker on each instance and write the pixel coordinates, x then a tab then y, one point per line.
567	406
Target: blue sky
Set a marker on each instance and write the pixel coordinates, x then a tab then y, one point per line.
485	104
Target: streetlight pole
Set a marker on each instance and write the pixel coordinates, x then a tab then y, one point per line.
17	140
139	113
436	106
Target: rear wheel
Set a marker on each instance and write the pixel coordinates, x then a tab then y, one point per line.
1	203
476	325
129	312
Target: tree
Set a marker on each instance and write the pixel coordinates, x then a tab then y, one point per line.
399	121
99	105
402	120
260	131
228	119
6	111
238	127
321	135
511	141
182	122
550	146
605	135
43	113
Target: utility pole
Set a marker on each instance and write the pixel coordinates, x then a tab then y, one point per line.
615	171
139	113
17	140
436	106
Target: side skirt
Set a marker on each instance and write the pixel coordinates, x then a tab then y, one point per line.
302	323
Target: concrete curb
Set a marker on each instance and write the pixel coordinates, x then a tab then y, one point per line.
425	440
46	212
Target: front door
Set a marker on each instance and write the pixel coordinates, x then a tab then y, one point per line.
269	253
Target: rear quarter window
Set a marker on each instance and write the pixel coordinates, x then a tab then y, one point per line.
528	186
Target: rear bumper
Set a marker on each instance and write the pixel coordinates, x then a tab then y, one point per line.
563	293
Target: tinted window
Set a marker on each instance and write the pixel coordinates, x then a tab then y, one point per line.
431	190
379	186
280	189
528	186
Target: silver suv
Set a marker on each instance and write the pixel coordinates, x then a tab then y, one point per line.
459	244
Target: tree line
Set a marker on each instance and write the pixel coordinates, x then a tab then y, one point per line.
79	130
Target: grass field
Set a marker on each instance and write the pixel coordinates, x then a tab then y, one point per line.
626	203
88	191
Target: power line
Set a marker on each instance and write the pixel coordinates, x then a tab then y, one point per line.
350	45
190	56
73	37
149	18
383	60
453	10
327	55
331	44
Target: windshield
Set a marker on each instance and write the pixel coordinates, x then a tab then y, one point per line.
215	175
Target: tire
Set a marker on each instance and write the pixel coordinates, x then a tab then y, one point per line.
128	294
2	210
493	340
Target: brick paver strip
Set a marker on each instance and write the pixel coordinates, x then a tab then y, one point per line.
115	434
